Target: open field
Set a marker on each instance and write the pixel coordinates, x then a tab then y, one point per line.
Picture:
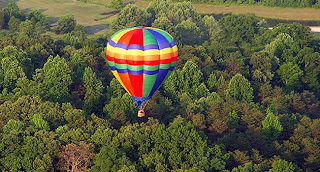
86	14
262	11
140	3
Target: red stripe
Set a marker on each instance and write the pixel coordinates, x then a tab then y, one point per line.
126	38
137	83
137	37
152	63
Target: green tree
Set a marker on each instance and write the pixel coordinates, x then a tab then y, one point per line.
188	32
261	66
192	77
131	15
21	151
182	11
110	159
234	119
14	24
211	28
36	17
281	47
93	93
117	4
284	166
239	88
222	85
10	69
66	24
238	28
248	167
312	71
115	89
2	19
271	126
212	82
13	10
25	107
10	145
186	80
28	28
53	80
164	23
121	109
290	74
202	91
39	123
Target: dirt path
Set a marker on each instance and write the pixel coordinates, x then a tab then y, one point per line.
315	28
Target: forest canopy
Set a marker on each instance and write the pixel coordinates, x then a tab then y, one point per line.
242	97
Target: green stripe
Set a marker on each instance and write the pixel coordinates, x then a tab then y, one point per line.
165	66
110	63
145	67
148	38
148	82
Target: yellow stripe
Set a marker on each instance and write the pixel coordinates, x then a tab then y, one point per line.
175	48
109	50
115	73
120	34
140	52
143	58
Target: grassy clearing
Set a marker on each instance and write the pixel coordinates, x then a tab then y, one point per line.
140	3
262	11
86	14
317	34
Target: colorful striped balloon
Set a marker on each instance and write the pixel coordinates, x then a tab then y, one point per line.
141	58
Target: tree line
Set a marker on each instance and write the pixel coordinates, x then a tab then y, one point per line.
241	98
272	3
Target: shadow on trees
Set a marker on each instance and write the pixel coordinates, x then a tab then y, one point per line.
4	3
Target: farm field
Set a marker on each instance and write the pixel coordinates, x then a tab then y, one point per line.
262	11
85	13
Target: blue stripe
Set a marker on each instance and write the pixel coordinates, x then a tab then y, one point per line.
151	47
135	47
113	68
112	43
161	40
121	45
173	43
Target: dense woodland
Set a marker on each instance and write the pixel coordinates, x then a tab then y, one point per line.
242	98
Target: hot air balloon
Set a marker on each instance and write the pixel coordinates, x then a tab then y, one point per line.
141	58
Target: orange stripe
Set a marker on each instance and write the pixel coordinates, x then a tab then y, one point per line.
126	81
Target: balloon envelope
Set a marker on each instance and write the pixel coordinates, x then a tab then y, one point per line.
141	58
